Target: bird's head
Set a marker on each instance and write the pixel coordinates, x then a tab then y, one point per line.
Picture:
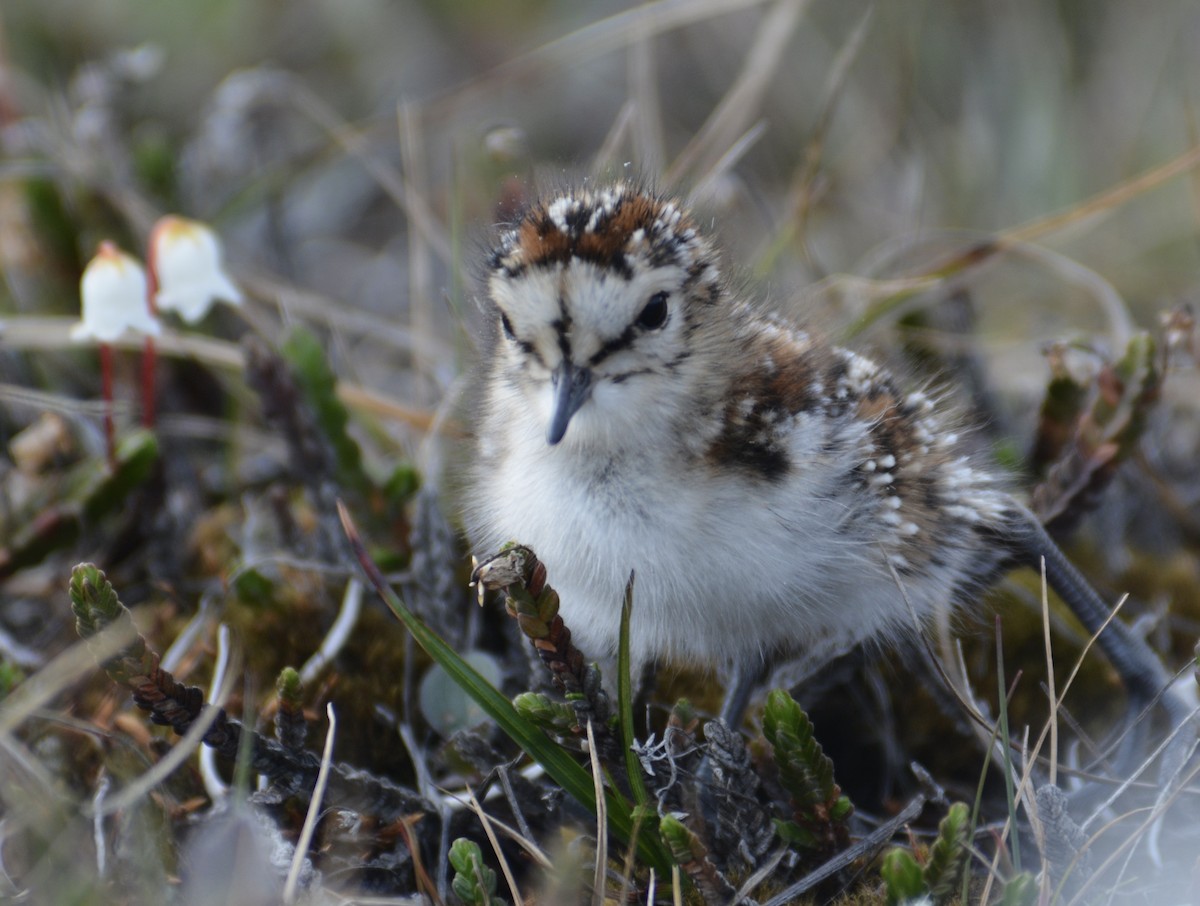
600	298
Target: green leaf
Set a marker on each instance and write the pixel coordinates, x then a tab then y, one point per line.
107	489
1021	890
1062	406
254	588
1140	381
842	809
95	490
555	717
287	685
11	676
402	484
902	876
804	769
795	835
1009	790
96	607
948	854
680	841
303	351
55	226
474	883
94	601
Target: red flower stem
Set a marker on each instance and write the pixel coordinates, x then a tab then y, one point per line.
106	391
149	362
149	349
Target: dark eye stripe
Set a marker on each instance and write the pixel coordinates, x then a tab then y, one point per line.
616	344
630	333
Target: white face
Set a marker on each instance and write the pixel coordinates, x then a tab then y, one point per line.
627	334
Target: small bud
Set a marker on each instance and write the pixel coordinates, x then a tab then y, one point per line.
113	295
187	263
505	569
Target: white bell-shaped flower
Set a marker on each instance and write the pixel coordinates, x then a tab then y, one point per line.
187	263
113	294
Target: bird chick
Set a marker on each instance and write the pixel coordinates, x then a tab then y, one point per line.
771	491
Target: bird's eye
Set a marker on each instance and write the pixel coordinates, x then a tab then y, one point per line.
654	315
506	326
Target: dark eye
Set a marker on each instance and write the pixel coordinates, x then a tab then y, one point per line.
506	326
654	315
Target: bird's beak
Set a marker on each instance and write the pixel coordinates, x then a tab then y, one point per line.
572	386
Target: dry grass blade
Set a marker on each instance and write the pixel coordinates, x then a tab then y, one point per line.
706	183
35	401
801	192
299	303
1105	201
765	871
601	821
535	852
1078	665
421	296
314	809
505	869
1025	780
1108	300
36	333
961	688
888	294
54	334
741	103
649	147
606	157
29	792
61	673
599	38
399	189
1141	768
1130	840
406	825
1052	720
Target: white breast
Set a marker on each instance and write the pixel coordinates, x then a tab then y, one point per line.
726	566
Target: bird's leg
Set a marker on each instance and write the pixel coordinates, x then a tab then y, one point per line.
1139	667
744	676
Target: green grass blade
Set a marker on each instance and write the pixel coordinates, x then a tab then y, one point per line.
1009	792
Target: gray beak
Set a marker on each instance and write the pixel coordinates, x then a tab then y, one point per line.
572	386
